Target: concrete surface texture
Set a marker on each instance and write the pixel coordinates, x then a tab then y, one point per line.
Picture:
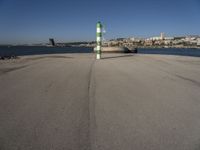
122	102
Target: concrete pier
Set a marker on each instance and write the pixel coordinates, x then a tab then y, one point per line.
122	102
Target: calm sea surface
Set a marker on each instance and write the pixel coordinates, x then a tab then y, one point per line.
37	50
33	50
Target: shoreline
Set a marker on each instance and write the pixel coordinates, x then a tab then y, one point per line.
12	52
145	47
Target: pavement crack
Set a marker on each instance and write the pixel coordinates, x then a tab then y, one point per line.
7	70
188	79
91	101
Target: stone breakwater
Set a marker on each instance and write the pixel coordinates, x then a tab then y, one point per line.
118	50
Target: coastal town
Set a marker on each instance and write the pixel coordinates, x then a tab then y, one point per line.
162	41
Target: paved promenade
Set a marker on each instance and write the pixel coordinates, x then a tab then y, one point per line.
122	102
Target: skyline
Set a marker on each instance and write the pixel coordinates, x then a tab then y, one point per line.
36	21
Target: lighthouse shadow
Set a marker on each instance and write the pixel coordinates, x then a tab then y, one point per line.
118	56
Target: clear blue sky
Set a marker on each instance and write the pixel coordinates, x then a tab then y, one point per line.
33	21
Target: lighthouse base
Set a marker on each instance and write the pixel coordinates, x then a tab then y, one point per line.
98	56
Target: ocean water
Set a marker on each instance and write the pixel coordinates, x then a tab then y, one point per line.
171	51
38	50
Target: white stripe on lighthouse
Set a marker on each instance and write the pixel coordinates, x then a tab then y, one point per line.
98	30
98	48
98	39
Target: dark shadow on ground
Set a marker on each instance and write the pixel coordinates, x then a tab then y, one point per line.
112	57
37	58
6	70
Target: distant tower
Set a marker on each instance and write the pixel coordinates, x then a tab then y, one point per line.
99	40
51	42
162	36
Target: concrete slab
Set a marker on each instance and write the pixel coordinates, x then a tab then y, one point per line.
124	101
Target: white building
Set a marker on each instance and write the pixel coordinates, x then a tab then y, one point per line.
189	39
198	42
162	36
169	38
167	42
179	41
156	38
134	39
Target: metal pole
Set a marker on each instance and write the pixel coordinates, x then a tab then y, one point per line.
99	40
